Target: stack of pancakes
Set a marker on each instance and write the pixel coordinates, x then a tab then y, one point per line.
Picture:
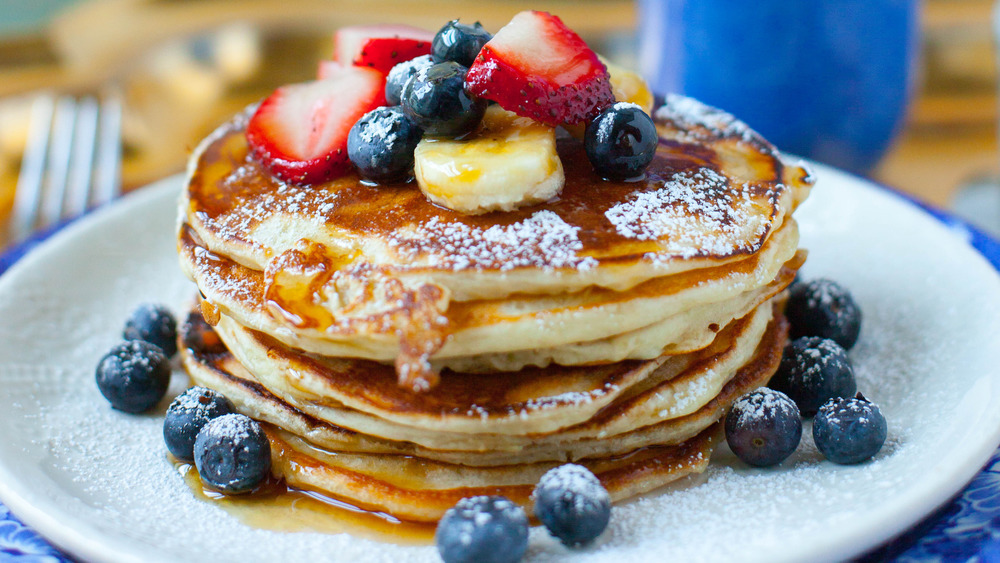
405	356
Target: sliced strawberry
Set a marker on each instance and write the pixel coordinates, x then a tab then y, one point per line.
537	67
328	69
380	46
299	133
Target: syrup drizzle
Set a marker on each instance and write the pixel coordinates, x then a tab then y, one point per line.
282	508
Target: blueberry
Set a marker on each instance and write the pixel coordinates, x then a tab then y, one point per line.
402	72
187	415
813	370
459	42
435	99
572	504
133	376
381	145
621	141
154	324
763	427
232	454
824	308
849	430
483	530
199	336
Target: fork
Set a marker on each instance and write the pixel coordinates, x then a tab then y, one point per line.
72	161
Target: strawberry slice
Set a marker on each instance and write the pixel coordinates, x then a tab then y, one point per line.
380	46
537	67
328	69
299	133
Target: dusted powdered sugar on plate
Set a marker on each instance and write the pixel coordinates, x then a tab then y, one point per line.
543	240
98	481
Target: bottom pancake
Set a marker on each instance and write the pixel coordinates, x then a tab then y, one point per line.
416	483
421	490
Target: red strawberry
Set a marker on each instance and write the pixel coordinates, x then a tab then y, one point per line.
537	67
380	46
299	133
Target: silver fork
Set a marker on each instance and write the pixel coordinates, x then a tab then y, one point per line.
72	161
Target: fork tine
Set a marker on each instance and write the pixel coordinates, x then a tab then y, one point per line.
28	193
57	167
107	182
81	166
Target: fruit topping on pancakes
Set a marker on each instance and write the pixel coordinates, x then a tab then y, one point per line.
300	131
537	67
380	47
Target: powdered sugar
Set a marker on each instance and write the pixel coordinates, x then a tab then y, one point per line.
694	213
543	240
691	115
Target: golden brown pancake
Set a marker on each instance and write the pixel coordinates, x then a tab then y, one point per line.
607	271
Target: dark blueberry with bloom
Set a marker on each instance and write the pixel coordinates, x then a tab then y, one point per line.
381	145
459	42
400	73
483	529
187	415
572	504
849	430
763	427
621	141
436	100
232	454
154	324
133	376
824	308
812	371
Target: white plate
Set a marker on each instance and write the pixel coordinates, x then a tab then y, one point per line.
97	483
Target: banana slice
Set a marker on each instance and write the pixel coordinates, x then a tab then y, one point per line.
628	86
510	161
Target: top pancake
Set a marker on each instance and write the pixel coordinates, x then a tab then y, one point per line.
713	194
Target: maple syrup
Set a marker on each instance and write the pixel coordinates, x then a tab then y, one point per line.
278	507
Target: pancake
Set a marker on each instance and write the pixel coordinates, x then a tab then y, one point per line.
608	271
363	396
711	195
418	490
673	315
218	369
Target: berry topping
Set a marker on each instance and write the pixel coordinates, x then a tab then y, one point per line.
537	67
232	454
621	141
381	145
187	415
483	530
199	336
133	376
459	42
849	430
154	324
400	73
380	47
814	370
763	427
572	504
328	69
824	308
299	133
435	99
